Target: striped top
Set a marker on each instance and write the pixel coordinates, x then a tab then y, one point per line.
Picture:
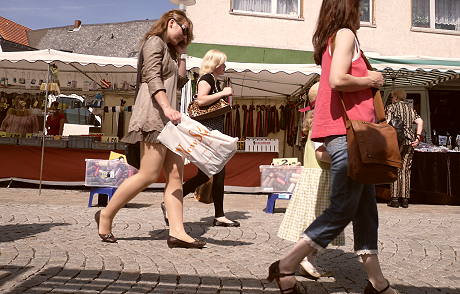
407	114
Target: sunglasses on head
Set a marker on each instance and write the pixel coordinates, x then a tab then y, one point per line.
183	27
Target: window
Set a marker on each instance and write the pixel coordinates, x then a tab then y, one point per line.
366	7
436	14
290	8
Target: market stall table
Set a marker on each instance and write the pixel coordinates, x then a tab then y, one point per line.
435	178
66	166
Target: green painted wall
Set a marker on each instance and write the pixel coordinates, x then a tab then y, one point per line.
254	54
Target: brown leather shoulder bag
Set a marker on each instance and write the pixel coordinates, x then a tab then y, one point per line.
373	152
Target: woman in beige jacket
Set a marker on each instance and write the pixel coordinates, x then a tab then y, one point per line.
161	70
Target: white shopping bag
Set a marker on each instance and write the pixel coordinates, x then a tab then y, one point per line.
208	150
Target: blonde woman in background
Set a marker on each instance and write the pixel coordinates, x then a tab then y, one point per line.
208	92
161	71
311	195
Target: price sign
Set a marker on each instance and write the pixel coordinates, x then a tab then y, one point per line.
285	161
13	135
108	139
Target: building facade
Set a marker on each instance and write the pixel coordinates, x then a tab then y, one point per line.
388	27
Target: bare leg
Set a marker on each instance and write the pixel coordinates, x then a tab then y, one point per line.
374	272
173	198
290	262
152	159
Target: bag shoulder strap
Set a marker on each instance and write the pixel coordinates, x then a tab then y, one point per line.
198	81
378	103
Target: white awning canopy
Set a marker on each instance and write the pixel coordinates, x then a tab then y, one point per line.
264	80
248	79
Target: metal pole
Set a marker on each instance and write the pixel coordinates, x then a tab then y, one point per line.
43	132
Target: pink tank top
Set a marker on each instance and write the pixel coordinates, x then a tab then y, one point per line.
328	120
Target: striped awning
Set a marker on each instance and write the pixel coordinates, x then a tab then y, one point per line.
409	71
419	77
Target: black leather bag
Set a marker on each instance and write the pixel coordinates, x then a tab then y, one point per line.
397	123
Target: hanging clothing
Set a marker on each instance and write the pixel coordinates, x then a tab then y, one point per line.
259	122
228	123
245	121
251	121
237	124
276	120
20	121
283	118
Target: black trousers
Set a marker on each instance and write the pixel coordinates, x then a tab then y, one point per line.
217	189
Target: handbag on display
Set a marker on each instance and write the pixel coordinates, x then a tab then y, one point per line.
204	192
373	151
218	108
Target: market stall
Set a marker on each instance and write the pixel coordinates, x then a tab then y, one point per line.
433	88
90	76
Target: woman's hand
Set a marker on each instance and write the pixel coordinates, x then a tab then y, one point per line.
181	48
376	79
173	115
227	91
416	142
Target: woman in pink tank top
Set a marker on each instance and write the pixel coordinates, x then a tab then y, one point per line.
344	75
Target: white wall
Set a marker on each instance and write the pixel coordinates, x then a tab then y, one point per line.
391	35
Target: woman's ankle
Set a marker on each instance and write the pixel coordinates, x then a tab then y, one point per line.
379	284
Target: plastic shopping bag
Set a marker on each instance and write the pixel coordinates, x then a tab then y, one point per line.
208	150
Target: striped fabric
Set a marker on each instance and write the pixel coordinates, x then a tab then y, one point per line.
407	114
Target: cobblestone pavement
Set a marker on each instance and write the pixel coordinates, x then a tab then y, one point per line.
48	244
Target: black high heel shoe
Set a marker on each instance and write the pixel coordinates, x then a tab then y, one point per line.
163	209
177	243
371	290
274	274
109	238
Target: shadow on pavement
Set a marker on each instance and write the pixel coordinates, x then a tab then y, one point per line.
72	280
10	272
15	232
198	229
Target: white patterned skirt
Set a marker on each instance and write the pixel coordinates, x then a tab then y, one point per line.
309	199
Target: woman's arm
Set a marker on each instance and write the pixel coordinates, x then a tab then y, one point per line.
162	100
153	52
419	122
322	155
204	99
339	78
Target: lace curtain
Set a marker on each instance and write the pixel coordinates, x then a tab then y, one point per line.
253	5
365	6
289	7
447	13
285	7
421	13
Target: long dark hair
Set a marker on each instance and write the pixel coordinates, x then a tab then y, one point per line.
334	15
160	27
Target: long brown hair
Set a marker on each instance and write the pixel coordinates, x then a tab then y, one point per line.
334	15
160	27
